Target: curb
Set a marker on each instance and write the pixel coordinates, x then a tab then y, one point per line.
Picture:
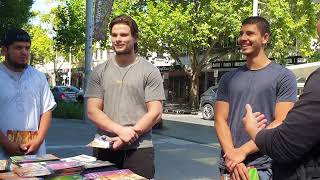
179	111
176	111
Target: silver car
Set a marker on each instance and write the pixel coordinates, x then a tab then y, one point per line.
65	93
207	100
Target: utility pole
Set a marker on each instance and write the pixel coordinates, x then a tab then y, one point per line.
255	5
88	52
88	43
70	67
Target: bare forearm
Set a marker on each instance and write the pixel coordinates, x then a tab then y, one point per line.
102	121
249	148
274	124
281	111
44	125
224	135
147	121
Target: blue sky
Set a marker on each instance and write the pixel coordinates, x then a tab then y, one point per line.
43	6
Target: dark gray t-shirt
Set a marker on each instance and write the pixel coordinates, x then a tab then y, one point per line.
262	89
125	91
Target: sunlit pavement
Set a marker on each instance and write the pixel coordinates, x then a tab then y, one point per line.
186	147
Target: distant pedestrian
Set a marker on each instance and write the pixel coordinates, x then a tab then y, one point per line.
294	146
125	100
26	102
267	85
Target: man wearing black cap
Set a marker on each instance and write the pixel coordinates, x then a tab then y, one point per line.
26	102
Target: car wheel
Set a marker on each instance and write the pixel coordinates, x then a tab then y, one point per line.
207	112
80	99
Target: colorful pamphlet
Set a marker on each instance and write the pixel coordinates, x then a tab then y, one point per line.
32	170
14	176
33	158
64	168
61	165
115	175
70	177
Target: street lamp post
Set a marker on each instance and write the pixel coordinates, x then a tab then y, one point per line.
88	43
255	5
70	67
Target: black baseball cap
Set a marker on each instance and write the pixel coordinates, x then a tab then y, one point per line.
13	35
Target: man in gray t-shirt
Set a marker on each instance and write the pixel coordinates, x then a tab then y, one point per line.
124	101
268	86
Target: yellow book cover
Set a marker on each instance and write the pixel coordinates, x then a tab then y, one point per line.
21	137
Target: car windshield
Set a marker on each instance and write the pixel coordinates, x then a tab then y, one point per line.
213	89
69	89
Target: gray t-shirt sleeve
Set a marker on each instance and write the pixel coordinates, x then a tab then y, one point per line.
94	88
154	87
287	87
222	93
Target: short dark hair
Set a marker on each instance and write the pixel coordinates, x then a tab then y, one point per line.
125	19
262	23
14	35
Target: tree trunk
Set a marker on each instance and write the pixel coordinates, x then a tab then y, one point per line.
194	90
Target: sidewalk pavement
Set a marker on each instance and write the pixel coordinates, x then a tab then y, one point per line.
195	118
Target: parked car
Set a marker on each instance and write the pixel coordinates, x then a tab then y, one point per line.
65	93
80	96
207	100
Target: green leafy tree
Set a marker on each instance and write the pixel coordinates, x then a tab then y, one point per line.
292	27
14	13
69	26
42	45
206	30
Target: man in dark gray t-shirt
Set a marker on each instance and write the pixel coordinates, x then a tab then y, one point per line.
268	86
125	100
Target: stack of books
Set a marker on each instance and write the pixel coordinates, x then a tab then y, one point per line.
28	170
33	158
14	176
28	166
48	166
63	168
